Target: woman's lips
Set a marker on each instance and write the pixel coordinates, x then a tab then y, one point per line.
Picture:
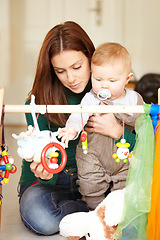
75	85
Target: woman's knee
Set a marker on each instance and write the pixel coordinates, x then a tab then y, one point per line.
41	227
36	213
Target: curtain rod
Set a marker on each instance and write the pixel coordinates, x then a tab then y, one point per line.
76	109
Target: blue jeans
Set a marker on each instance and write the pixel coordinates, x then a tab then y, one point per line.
42	207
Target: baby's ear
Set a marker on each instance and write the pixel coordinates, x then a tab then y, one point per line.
130	75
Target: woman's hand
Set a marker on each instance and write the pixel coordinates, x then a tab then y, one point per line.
40	172
105	124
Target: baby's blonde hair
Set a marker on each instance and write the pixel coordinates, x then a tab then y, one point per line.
109	52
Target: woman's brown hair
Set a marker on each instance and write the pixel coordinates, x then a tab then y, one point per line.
47	88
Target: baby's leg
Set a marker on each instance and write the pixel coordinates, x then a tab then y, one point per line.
119	179
93	202
92	178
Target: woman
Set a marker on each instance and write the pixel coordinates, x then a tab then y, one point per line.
62	77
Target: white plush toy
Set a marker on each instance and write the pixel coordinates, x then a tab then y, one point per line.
100	224
32	142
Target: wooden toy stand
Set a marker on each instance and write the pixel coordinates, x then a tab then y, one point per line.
68	109
1	107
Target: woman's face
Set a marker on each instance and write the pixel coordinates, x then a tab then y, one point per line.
72	69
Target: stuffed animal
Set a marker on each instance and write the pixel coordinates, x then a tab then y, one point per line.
31	143
100	224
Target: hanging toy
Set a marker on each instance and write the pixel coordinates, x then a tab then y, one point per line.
36	145
83	137
7	166
6	161
84	142
1	198
122	151
52	166
103	94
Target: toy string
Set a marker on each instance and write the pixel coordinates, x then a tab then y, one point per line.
82	121
123	125
48	122
2	117
2	125
34	124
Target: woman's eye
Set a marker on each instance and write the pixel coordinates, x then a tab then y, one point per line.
59	71
98	79
77	67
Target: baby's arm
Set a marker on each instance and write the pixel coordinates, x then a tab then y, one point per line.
74	122
67	133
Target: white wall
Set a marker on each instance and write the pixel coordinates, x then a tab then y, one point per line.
24	24
142	35
4	43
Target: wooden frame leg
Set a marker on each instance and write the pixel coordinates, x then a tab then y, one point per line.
1	108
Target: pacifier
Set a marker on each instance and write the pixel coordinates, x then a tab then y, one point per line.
103	94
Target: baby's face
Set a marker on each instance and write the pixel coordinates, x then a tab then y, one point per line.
111	77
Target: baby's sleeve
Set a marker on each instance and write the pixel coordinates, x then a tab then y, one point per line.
76	119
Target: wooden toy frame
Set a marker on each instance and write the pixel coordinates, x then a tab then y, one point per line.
68	109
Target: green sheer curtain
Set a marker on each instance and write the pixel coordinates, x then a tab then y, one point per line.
139	180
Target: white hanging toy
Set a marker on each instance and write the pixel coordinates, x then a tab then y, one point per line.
122	151
39	146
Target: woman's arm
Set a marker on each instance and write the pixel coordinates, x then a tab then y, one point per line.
105	124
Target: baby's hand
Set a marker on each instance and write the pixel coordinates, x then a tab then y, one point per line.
66	134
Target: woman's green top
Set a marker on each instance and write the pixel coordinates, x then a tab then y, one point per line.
27	176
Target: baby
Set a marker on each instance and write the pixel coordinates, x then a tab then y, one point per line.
97	171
